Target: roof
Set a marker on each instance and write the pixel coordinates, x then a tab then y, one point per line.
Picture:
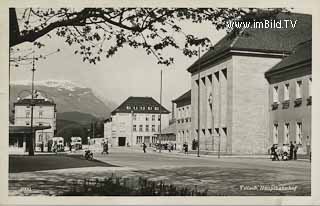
268	40
186	96
140	105
302	54
37	102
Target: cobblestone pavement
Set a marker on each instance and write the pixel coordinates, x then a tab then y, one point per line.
225	176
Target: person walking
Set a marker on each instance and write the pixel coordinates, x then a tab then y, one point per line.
144	146
285	152
274	153
295	150
291	150
186	148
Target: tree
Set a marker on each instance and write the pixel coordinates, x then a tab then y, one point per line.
100	32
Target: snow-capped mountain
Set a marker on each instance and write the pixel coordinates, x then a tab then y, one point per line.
68	96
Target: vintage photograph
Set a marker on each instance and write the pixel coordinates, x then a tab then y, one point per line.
137	101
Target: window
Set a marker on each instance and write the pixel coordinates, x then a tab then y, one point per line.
40	114
139	139
140	128
27	114
156	108
159	117
135	107
298	89
134	128
286	133
310	84
128	107
27	123
147	118
149	108
153	128
147	128
275	94
154	139
299	133
275	133
134	117
286	92
153	117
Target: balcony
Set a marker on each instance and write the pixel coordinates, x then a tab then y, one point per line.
309	100
285	104
297	102
274	105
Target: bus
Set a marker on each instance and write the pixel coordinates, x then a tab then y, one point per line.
76	143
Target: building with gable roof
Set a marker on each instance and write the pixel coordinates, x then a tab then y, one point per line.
233	95
290	99
44	116
135	121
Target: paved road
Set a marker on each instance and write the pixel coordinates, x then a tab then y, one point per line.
225	176
155	160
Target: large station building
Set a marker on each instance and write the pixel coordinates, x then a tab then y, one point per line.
234	93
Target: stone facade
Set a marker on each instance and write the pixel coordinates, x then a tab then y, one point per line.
182	118
233	104
44	114
135	122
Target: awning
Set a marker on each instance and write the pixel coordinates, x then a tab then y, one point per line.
25	129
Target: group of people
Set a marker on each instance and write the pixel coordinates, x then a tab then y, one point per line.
285	152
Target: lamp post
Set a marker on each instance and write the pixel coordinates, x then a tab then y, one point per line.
32	140
210	101
160	110
199	105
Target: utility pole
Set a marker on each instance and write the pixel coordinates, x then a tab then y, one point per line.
32	139
199	104
160	109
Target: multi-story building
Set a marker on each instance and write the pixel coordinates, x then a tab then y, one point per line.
135	121
181	116
233	104
290	98
44	114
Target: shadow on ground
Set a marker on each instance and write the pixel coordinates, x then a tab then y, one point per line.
24	163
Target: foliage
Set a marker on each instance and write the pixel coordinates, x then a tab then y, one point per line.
96	32
116	186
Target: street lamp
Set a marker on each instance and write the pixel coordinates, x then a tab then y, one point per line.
210	101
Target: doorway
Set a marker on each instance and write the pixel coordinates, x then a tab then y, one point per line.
122	141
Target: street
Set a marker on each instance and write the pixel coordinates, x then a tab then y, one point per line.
225	176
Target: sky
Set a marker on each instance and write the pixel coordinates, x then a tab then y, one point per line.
131	72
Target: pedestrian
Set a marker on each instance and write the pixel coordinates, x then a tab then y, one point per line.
285	153
106	147
295	150
186	148
55	148
144	146
274	154
291	150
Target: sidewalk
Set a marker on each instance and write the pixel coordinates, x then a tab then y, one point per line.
203	154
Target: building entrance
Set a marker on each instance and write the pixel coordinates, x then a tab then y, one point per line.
121	141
